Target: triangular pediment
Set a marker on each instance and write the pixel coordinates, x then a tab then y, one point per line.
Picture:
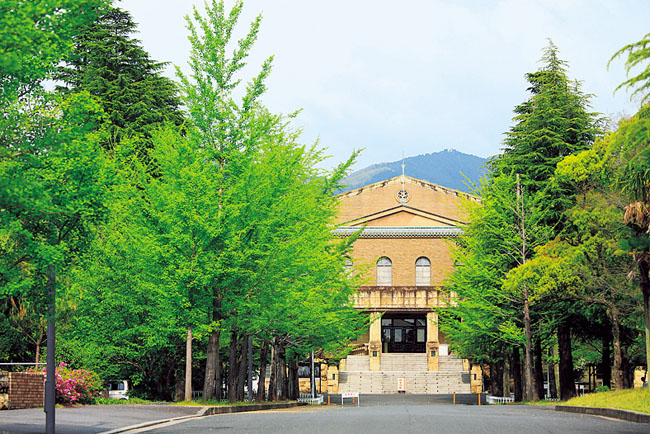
403	216
405	202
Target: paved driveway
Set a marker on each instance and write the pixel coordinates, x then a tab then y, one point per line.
407	414
376	414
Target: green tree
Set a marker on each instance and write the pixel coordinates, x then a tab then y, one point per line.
112	66
637	54
629	145
552	124
501	235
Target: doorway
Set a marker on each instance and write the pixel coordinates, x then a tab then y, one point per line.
403	334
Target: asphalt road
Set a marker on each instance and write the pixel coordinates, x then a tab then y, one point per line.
376	414
405	414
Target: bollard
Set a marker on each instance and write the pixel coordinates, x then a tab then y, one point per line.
454	397
479	399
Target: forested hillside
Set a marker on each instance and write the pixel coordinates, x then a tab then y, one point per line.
449	168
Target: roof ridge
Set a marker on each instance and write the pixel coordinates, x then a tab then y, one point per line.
428	184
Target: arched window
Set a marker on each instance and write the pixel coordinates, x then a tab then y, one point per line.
384	272
422	272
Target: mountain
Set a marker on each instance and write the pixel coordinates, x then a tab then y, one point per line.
445	168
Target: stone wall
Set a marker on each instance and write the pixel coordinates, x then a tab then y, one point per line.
26	389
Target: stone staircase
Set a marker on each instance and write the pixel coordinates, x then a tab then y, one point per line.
404	362
357	376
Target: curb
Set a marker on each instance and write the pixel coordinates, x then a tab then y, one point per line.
630	416
207	411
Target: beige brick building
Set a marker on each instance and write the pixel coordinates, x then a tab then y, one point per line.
404	249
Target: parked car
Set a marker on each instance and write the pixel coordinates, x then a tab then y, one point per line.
118	390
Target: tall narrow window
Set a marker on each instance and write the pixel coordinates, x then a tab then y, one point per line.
384	272
422	272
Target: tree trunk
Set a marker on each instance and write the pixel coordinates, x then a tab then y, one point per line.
261	384
272	394
281	374
538	391
491	386
496	378
567	386
605	363
618	355
528	359
628	372
644	283
243	366
294	385
218	378
188	366
232	368
516	373
212	371
552	387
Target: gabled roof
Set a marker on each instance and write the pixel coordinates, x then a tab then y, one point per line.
403	201
409	180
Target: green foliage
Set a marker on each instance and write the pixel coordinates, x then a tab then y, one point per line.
486	319
508	257
231	231
601	389
637	54
112	66
36	35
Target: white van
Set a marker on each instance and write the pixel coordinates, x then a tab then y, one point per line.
118	390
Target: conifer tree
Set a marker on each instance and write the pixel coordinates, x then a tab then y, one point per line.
111	65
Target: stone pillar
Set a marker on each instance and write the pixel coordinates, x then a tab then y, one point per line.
433	346
374	342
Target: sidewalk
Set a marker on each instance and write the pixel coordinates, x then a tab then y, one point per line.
90	419
94	419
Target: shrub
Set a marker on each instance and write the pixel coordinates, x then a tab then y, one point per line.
602	389
76	386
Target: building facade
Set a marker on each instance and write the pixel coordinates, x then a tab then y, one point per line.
403	251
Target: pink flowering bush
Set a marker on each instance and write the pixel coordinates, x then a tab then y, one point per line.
76	386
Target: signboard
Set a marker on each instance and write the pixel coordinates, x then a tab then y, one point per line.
401	385
353	395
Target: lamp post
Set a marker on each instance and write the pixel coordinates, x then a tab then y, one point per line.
50	383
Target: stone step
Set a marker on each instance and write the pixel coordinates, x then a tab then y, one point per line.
424	382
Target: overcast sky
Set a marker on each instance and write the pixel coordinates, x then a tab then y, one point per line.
413	77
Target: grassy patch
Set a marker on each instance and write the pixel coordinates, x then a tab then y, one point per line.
110	401
627	399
